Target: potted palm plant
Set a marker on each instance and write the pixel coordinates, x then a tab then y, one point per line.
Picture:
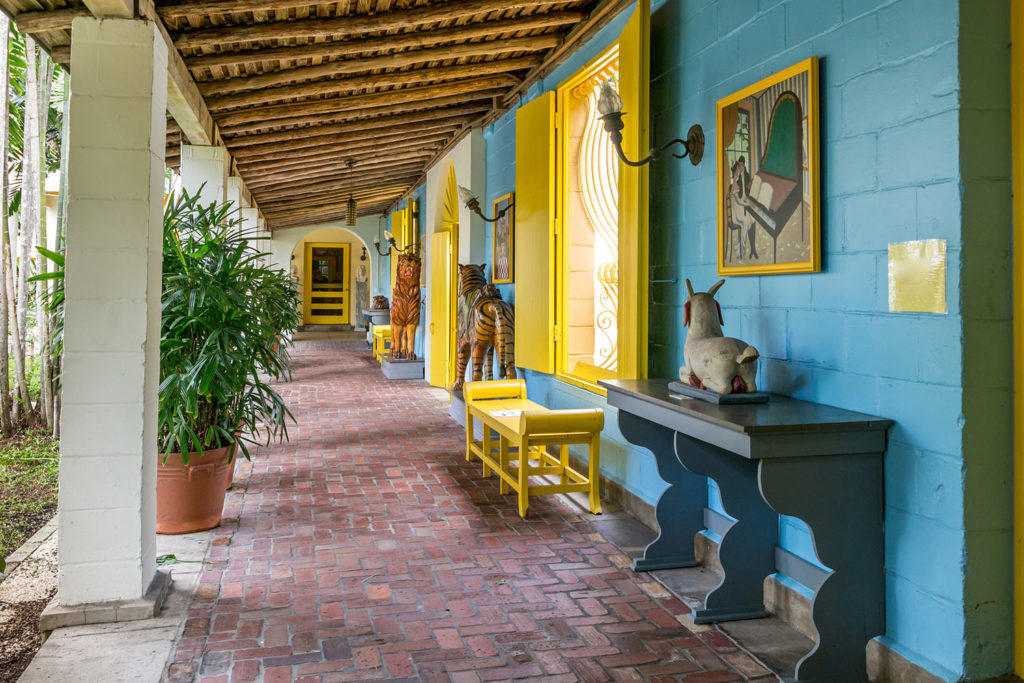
224	314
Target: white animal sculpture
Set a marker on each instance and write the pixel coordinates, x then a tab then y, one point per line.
714	362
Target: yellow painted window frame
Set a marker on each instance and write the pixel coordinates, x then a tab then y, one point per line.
631	50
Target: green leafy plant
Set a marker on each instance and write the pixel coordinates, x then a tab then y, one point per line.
226	316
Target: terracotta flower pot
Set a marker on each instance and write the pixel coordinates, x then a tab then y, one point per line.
191	498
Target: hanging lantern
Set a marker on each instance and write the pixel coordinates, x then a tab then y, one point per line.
350	212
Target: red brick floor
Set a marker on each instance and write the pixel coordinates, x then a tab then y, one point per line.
367	548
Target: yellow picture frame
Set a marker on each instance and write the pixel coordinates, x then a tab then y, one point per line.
769	214
503	240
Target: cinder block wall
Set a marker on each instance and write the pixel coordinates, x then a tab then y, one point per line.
914	145
905	85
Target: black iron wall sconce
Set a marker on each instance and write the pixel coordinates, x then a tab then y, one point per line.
473	204
391	245
609	105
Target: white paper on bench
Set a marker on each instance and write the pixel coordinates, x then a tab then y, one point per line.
506	413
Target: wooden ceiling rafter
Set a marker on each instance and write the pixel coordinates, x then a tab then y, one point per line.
448	116
338	86
318	145
333	169
220	37
340	180
398	60
388	42
338	156
367	101
471	100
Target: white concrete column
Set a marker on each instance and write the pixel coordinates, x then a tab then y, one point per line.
206	168
250	221
107	505
264	238
237	194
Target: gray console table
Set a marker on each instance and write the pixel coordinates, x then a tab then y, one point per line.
820	464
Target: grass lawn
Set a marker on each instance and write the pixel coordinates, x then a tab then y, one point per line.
28	487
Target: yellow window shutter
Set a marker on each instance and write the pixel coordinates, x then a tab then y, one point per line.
535	220
634	86
440	309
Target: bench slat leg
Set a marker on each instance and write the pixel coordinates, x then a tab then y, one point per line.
524	477
487	448
503	460
469	436
595	474
563	460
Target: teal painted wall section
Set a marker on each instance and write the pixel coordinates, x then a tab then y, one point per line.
904	83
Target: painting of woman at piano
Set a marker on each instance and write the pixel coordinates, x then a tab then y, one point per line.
768	175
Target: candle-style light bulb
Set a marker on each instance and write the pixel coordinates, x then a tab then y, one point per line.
465	195
388	236
609	102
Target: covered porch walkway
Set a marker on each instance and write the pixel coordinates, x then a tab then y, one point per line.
367	548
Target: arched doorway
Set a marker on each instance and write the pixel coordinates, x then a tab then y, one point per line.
444	245
332	269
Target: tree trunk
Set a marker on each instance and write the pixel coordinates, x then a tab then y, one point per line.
39	238
30	203
60	231
6	427
20	386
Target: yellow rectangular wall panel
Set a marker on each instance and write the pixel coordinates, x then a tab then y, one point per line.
535	221
917	276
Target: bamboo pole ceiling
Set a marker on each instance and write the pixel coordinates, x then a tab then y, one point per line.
298	88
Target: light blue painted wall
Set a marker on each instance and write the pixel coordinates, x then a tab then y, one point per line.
893	111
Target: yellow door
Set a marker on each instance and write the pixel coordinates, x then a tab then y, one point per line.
327	281
440	307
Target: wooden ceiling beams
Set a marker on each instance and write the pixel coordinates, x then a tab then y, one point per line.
340	86
220	37
388	43
398	60
296	88
357	101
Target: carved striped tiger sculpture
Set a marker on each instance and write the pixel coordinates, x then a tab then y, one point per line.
485	324
405	308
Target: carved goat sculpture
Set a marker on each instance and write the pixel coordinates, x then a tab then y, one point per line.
714	362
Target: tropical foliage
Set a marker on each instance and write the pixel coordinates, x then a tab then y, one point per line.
224	312
32	136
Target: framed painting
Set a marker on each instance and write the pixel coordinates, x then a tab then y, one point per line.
503	240
768	194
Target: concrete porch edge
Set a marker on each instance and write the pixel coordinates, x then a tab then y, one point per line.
59	616
29	547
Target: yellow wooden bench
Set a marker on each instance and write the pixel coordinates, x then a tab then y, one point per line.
530	428
381	342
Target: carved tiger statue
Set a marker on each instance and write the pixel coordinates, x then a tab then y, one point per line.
405	307
485	324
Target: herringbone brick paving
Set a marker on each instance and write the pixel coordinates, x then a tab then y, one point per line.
367	548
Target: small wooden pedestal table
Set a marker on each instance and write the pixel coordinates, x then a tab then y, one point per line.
820	464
